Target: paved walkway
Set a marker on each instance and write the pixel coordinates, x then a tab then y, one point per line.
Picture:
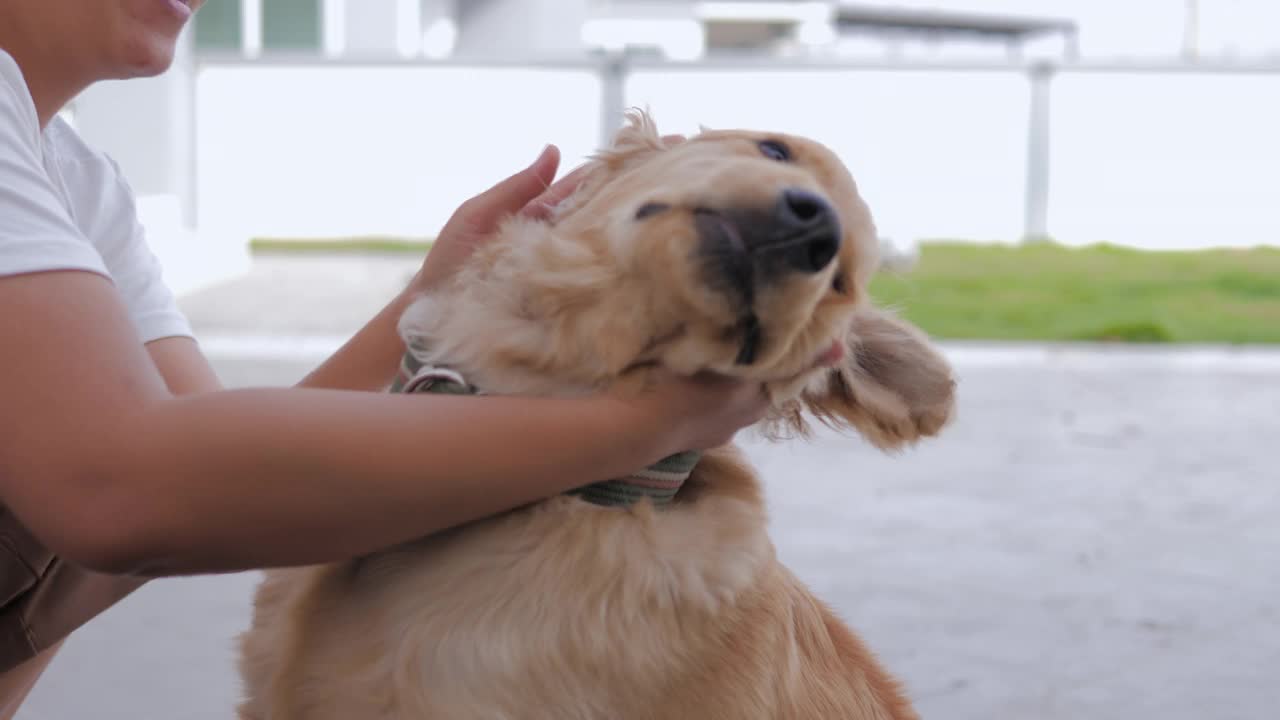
1097	537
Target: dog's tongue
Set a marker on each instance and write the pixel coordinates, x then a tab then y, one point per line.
833	355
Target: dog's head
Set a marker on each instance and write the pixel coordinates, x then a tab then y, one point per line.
736	252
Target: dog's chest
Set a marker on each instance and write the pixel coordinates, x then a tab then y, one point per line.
564	600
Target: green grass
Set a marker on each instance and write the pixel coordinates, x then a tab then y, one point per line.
1100	293
1040	291
366	244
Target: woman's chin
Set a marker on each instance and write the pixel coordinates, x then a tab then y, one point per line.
147	59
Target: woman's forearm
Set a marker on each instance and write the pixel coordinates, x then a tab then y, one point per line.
258	478
110	470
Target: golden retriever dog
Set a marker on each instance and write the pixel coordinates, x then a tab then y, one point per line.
734	252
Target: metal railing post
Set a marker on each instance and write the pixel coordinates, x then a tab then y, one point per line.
1036	218
613	94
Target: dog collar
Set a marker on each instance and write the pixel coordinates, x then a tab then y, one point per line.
659	482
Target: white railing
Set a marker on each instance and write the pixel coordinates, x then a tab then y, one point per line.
1151	156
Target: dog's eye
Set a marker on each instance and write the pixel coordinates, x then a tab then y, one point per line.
649	209
775	150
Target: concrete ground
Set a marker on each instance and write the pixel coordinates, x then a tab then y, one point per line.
1097	536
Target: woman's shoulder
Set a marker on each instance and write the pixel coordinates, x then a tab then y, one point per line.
67	204
77	160
18	118
80	169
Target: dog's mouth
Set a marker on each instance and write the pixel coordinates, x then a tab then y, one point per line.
751	336
831	356
748	329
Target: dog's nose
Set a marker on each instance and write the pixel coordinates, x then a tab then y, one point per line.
805	230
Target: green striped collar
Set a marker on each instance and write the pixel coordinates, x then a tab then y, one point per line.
659	482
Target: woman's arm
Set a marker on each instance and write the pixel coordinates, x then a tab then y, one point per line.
184	370
110	469
129	458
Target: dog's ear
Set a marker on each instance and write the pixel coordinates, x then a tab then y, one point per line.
894	387
638	136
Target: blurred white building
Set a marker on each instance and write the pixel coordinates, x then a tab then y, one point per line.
336	116
690	29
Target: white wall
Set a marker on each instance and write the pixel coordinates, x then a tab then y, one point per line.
1166	160
322	152
1150	159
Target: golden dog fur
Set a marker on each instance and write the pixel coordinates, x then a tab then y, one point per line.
569	610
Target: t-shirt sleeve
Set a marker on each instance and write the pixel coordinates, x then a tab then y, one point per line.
101	233
36	229
137	272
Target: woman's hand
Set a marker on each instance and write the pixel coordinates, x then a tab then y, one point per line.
368	361
700	412
528	193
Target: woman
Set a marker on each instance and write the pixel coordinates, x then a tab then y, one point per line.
122	459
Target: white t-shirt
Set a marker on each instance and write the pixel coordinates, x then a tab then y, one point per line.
65	206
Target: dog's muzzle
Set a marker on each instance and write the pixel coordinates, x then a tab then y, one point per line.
746	248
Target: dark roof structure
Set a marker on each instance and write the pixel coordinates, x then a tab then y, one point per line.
860	16
932	23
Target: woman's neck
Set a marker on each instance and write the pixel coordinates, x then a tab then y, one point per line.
51	77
